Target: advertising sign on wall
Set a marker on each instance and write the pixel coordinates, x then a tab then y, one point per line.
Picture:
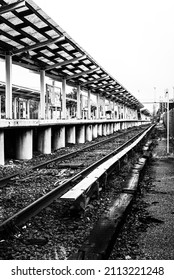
53	96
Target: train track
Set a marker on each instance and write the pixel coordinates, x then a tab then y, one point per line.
21	217
5	179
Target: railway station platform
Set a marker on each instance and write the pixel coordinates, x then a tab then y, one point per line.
32	41
20	138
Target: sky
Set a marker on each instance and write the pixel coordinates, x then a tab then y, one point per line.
133	40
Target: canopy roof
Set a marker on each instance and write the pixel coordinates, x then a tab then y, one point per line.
37	43
22	92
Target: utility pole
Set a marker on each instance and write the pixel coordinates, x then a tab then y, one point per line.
154	103
167	95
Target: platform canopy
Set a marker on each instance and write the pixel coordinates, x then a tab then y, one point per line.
37	43
21	92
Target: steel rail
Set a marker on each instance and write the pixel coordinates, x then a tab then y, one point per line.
6	179
18	219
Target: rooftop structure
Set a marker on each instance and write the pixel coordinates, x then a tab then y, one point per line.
31	39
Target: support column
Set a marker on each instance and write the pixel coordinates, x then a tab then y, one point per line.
98	107
42	94
117	113
44	140
123	112
8	91
15	104
28	109
64	99
113	109
94	131
111	128
115	127
89	104
59	138
89	132
80	134
100	130
24	110
104	129
78	103
71	134
24	144
108	129
2	157
104	108
0	106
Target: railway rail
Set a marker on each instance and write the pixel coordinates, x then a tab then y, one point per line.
67	154
21	217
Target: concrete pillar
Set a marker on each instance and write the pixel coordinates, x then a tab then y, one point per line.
94	131
2	157
15	106
71	134
42	94
100	133
104	109
0	106
104	129
24	144
80	132
112	128
63	99
98	107
89	132
24	110
123	112
44	140
116	110
89	104
108	129
115	127
8	89
113	110
78	103
58	137
28	109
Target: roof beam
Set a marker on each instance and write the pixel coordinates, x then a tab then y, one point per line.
82	73
105	85
117	92
115	88
38	45
9	8
96	80
63	63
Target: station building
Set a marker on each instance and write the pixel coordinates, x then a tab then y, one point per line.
77	99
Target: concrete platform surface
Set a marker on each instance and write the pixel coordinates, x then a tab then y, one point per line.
157	241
